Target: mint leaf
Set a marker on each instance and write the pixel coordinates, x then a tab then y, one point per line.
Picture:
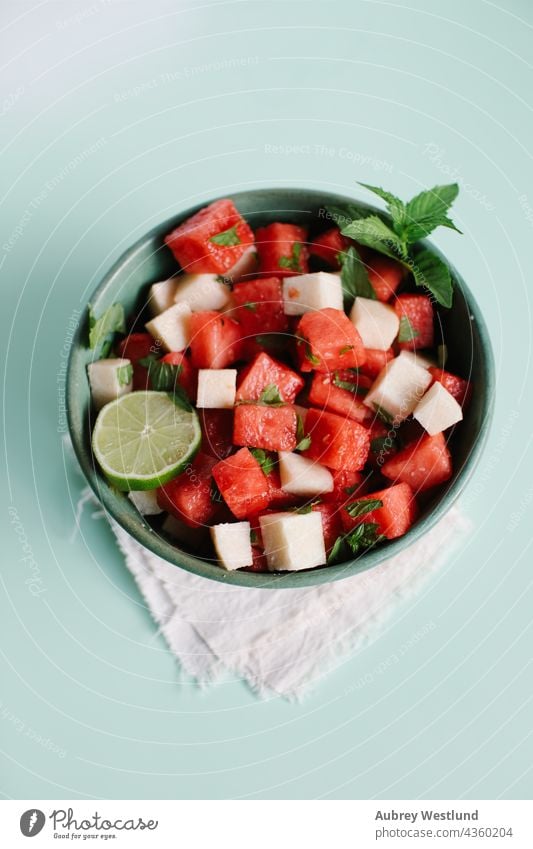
270	395
125	374
432	273
163	376
344	215
378	444
354	388
102	330
250	305
266	460
395	206
292	262
374	233
354	276
363	536
228	238
308	352
303	441
429	210
407	332
363	506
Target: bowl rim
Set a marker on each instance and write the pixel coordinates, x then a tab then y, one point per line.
142	532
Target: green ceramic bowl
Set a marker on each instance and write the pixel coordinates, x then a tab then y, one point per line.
148	261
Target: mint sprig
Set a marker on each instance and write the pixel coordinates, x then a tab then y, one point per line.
363	536
163	377
303	440
411	221
266	460
102	330
354	276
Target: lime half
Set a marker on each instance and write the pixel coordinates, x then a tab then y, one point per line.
144	439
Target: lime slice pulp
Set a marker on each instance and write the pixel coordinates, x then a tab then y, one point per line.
144	439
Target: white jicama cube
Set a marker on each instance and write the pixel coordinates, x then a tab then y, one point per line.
145	501
306	292
232	544
109	379
216	388
438	410
161	296
398	388
202	292
300	476
377	323
170	329
420	359
293	541
246	265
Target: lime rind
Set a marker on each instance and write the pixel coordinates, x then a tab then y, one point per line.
142	440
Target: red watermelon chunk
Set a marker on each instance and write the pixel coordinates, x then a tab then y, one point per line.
337	442
215	340
189	495
327	340
421	464
242	484
385	276
394	518
261	426
212	240
376	361
136	347
265	371
460	388
325	393
328	245
282	249
260	306
416	322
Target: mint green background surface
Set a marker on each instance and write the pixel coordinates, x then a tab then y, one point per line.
116	114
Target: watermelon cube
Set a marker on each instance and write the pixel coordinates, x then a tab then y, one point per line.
458	387
136	347
385	276
282	249
217	432
416	322
327	340
376	361
212	240
260	306
325	392
393	518
242	484
215	340
329	245
265	371
261	426
421	464
336	442
188	496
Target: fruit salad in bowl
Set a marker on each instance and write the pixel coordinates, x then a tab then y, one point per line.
303	389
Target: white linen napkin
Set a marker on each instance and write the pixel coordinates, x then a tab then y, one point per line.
280	641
